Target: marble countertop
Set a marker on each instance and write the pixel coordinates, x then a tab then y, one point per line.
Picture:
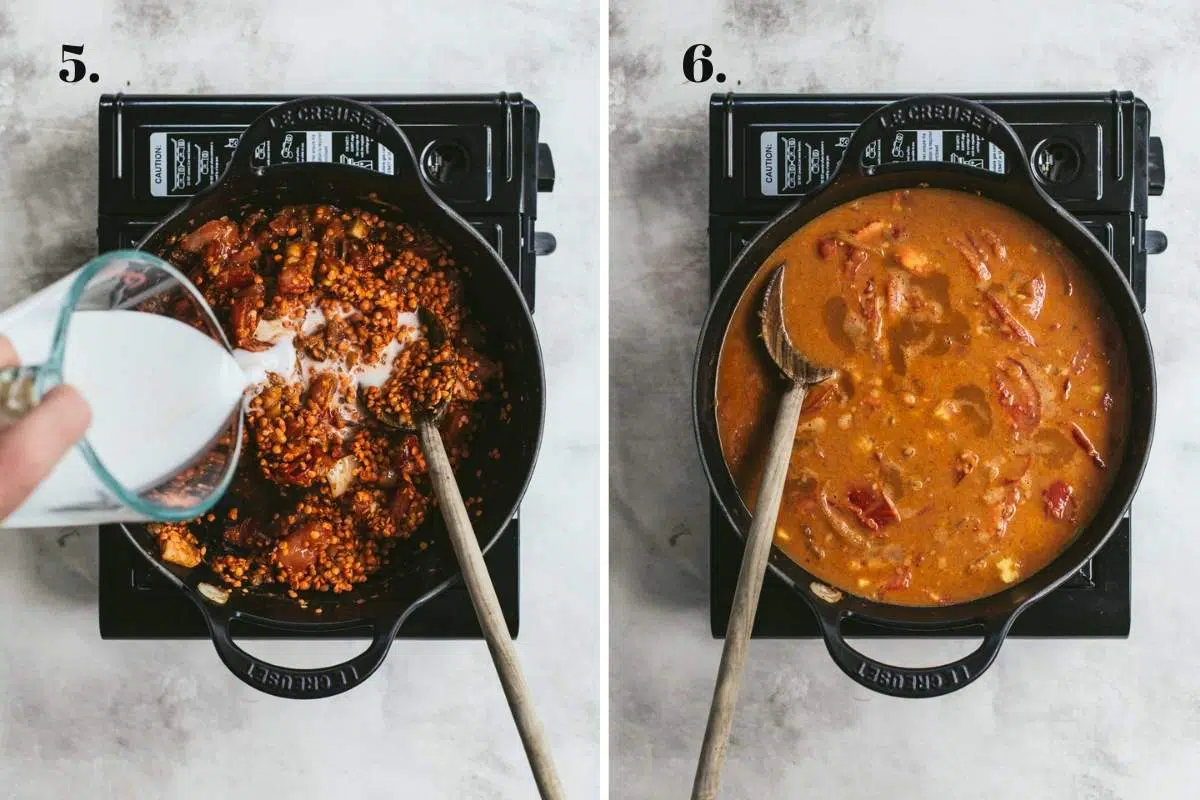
1095	719
82	717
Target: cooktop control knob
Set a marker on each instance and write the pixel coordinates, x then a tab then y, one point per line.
1154	242
1056	161
445	162
544	243
545	168
1156	177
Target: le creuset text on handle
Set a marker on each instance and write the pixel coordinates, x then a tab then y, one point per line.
912	682
294	682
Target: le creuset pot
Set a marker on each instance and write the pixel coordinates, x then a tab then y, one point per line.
1010	181
414	576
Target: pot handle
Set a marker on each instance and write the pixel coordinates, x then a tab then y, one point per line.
298	683
869	150
912	681
258	142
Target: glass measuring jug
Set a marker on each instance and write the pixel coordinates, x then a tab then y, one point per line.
142	346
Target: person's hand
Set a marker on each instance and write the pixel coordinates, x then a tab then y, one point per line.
31	447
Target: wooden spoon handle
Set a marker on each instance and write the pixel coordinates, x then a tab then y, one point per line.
745	597
487	609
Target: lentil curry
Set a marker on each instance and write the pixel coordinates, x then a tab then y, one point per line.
324	492
980	409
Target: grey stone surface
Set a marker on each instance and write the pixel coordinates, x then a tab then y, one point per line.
1052	719
80	717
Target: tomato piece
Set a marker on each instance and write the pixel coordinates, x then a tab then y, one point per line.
840	526
975	258
244	313
236	272
221	231
296	277
321	391
1017	394
870	503
1059	502
407	457
854	261
1010	321
871	305
299	551
1086	445
1037	296
456	430
408	508
996	243
827	248
901	579
820	396
245	534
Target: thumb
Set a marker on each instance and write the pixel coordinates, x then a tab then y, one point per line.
31	447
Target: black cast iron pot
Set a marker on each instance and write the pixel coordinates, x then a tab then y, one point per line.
860	174
414	575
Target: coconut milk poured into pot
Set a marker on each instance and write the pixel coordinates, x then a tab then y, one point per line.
283	358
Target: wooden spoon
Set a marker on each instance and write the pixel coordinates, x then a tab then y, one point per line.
487	609
802	374
483	596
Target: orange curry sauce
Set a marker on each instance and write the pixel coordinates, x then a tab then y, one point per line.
979	413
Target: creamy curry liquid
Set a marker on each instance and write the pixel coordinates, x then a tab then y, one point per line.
981	408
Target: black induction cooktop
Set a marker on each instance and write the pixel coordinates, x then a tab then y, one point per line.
1093	153
481	155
